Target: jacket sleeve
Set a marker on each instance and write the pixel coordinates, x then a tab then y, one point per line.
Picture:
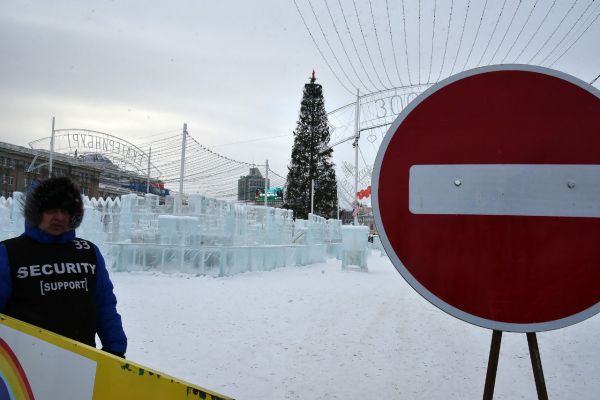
5	280
108	320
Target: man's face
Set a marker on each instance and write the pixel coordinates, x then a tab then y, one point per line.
55	221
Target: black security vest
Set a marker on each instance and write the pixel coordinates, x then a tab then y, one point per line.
54	286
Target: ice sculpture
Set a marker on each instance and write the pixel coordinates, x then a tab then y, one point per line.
377	245
205	236
355	239
6	228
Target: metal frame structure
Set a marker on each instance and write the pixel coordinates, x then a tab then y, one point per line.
120	152
372	111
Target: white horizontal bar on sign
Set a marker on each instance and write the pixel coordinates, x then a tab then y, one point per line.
552	190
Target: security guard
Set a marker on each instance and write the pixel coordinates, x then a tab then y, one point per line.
54	280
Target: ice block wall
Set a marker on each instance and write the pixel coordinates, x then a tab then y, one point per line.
206	236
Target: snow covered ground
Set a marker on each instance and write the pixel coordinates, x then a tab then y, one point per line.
322	333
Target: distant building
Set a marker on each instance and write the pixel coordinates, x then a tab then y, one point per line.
251	185
19	166
95	174
274	197
365	217
115	181
346	217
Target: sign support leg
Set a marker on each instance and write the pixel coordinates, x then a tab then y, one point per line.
536	363
490	377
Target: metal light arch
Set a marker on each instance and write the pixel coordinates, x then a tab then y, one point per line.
121	152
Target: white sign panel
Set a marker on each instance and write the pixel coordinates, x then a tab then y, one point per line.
51	371
506	189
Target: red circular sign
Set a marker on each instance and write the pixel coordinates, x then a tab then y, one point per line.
486	194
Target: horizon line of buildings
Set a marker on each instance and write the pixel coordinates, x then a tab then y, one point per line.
98	177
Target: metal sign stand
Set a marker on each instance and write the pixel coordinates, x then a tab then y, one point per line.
536	364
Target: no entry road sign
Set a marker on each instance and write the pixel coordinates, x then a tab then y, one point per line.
486	195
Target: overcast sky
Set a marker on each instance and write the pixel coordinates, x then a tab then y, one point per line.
232	70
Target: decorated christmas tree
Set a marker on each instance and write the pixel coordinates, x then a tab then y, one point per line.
311	159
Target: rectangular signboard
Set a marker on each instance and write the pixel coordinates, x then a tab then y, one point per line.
551	190
38	364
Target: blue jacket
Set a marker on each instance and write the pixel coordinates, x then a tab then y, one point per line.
108	321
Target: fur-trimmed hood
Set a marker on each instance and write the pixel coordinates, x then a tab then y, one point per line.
53	193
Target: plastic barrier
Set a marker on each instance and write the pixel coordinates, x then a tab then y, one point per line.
38	364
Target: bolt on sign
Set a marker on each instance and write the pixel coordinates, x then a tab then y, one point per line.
486	195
